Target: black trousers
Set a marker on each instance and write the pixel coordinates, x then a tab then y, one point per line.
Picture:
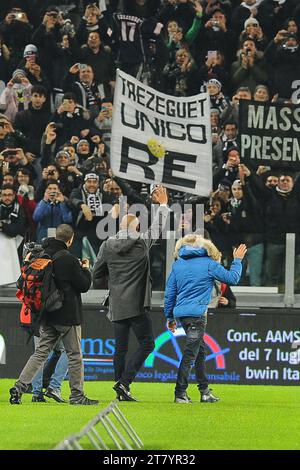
125	371
194	352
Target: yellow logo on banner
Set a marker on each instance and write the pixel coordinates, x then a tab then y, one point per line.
157	149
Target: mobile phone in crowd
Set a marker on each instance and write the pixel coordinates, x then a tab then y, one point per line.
211	55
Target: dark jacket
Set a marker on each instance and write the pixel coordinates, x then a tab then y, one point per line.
32	123
125	259
13	219
72	279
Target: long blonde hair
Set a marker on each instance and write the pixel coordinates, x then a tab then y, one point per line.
199	242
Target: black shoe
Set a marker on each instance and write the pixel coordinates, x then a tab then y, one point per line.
83	400
28	389
55	394
207	396
38	399
15	396
123	392
182	399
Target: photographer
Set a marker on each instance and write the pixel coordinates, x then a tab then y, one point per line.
250	68
51	211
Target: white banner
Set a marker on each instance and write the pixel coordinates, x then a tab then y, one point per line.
158	138
10	266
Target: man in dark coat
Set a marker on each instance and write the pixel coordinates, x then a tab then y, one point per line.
125	258
72	278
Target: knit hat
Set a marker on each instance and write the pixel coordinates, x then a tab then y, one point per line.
82	141
251	21
19	72
91	176
214	81
30	50
62	153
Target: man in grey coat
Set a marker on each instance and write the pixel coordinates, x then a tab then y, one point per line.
125	259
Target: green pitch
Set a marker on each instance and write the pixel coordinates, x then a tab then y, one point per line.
247	417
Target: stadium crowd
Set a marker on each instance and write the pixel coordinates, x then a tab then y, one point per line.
58	62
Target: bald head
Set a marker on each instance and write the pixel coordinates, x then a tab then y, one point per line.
130	222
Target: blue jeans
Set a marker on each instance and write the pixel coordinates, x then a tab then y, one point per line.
59	374
194	352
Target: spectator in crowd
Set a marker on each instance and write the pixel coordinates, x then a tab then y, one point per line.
217	99
216	36
4	59
50	172
245	224
51	212
272	14
25	197
104	119
252	30
228	139
250	68
87	204
46	37
230	168
180	76
283	55
261	93
244	12
80	81
33	121
16	96
16	31
281	206
70	119
231	113
93	20
94	54
215	68
12	217
179	40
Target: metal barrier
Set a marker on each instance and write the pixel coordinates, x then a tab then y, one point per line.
115	427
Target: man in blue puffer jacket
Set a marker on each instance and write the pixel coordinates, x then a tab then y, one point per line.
188	294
